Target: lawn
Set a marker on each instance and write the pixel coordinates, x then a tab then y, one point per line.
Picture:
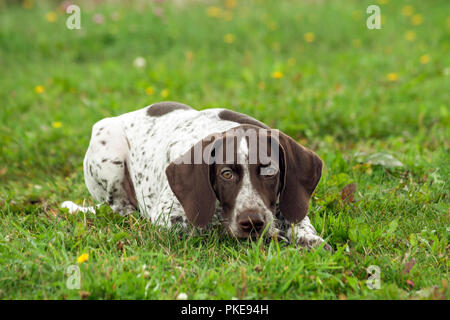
373	104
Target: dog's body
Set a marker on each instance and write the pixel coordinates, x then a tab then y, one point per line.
134	163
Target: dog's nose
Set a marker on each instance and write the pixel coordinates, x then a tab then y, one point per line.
249	221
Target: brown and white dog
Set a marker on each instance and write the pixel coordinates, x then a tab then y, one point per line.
177	165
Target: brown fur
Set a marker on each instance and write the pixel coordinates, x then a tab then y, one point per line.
161	108
241	118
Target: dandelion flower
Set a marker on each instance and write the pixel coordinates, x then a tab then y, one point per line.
309	37
51	16
164	93
213	12
392	76
229	38
407	10
39	89
277	75
56	124
425	59
410	35
291	62
417	19
230	4
149	90
84	257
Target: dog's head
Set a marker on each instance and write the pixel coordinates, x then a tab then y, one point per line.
248	169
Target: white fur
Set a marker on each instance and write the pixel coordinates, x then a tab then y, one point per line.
248	197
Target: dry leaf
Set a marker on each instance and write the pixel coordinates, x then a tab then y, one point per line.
347	193
119	245
408	266
84	294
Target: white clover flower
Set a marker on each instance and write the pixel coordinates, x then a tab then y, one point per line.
182	296
139	62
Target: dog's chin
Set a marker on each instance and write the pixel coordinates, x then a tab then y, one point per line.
243	235
252	236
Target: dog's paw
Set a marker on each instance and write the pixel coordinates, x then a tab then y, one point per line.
312	241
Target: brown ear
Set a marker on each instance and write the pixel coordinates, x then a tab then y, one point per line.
301	172
190	182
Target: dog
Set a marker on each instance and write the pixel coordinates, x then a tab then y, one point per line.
179	166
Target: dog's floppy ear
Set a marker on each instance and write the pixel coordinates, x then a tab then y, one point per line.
189	179
301	172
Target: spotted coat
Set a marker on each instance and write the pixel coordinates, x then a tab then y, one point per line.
125	164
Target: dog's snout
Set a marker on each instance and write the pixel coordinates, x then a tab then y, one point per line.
249	221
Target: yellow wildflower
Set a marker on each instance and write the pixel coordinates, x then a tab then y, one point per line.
309	37
417	19
392	76
56	124
410	35
407	10
230	4
149	90
164	93
229	38
213	12
425	59
277	75
51	16
84	257
39	89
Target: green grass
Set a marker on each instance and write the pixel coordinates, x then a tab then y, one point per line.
334	96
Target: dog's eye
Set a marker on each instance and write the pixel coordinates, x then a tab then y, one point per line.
227	174
268	171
